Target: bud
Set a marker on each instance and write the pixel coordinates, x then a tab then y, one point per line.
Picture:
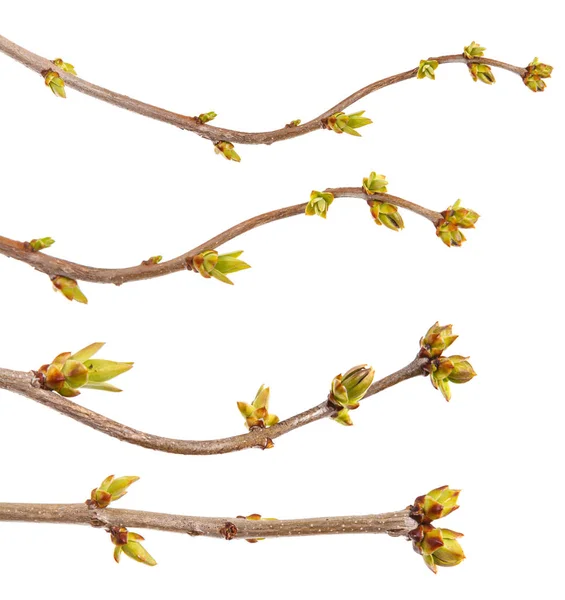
342	123
435	504
69	372
128	543
257	414
347	390
211	264
535	73
375	184
386	214
110	490
439	547
462	371
482	73
206	117
69	288
427	69
473	50
294	123
455	369
342	417
256	517
453	219
67	67
319	204
40	244
56	84
437	339
152	260
226	148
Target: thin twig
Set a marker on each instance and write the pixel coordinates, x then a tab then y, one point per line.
55	266
42	65
394	524
25	384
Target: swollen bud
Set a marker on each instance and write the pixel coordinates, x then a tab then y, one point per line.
40	244
67	67
375	184
435	504
453	219
128	543
438	547
227	149
257	413
474	50
206	117
348	389
386	214
342	123
211	264
427	69
481	73
437	339
319	204
69	288
110	490
57	85
535	73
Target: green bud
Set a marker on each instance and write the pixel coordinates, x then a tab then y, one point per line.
437	339
535	73
67	67
427	69
257	414
342	123
453	219
110	490
128	543
152	260
226	148
294	123
206	117
56	84
473	50
436	504
386	214
69	372
319	204
462	371
211	264
348	389
69	288
375	184
439	547
40	244
482	73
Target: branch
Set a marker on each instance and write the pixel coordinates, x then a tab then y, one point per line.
217	134
55	267
394	524
26	385
439	547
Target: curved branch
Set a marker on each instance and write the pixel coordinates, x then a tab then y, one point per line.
215	134
26	385
55	266
395	524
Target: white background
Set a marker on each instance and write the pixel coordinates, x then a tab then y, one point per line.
114	188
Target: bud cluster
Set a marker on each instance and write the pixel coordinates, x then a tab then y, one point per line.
69	372
479	72
455	218
439	547
536	72
443	370
348	390
56	83
257	414
342	123
382	212
211	264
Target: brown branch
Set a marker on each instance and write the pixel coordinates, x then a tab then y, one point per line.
42	65
26	385
394	524
55	266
